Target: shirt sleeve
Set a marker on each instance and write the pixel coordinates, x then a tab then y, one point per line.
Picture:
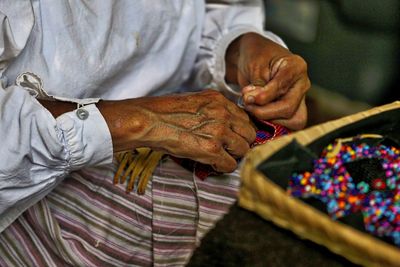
38	150
224	22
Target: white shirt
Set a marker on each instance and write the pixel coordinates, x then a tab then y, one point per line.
86	50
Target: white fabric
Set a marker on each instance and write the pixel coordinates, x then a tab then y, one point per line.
98	49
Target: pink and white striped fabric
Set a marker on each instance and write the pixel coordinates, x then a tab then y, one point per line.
88	221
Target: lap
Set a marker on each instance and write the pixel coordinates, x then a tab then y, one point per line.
89	221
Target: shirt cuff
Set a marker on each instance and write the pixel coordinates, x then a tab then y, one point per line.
220	51
86	137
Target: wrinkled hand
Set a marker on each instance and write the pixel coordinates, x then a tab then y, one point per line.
204	126
273	80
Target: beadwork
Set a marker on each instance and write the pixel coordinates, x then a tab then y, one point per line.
331	183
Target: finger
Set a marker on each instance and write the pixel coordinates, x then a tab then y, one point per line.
224	162
235	145
268	93
236	113
283	108
256	92
266	73
239	123
298	121
209	151
255	74
257	80
276	66
250	92
245	130
277	87
222	108
285	72
288	70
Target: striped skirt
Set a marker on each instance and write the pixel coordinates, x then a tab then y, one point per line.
88	221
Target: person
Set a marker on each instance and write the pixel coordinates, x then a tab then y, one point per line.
82	80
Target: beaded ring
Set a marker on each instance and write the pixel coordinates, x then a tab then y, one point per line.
331	183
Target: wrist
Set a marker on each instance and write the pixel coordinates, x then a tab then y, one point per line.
126	122
57	108
231	61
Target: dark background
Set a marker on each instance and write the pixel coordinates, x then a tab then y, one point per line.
352	49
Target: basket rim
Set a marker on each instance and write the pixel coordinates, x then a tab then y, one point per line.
295	215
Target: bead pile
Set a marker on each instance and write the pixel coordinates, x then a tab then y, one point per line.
378	200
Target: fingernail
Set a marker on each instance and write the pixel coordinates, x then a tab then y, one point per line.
250	99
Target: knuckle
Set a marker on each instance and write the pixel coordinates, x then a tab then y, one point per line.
238	112
248	132
302	64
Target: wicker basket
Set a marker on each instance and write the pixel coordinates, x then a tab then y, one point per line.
264	197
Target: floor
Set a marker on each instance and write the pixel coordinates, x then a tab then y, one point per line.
245	239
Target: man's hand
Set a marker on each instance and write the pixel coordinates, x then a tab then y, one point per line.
273	80
204	127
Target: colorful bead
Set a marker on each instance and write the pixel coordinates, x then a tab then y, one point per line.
363	187
331	183
378	184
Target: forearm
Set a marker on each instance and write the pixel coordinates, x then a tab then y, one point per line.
123	120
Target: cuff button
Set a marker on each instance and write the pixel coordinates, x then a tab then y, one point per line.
82	113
